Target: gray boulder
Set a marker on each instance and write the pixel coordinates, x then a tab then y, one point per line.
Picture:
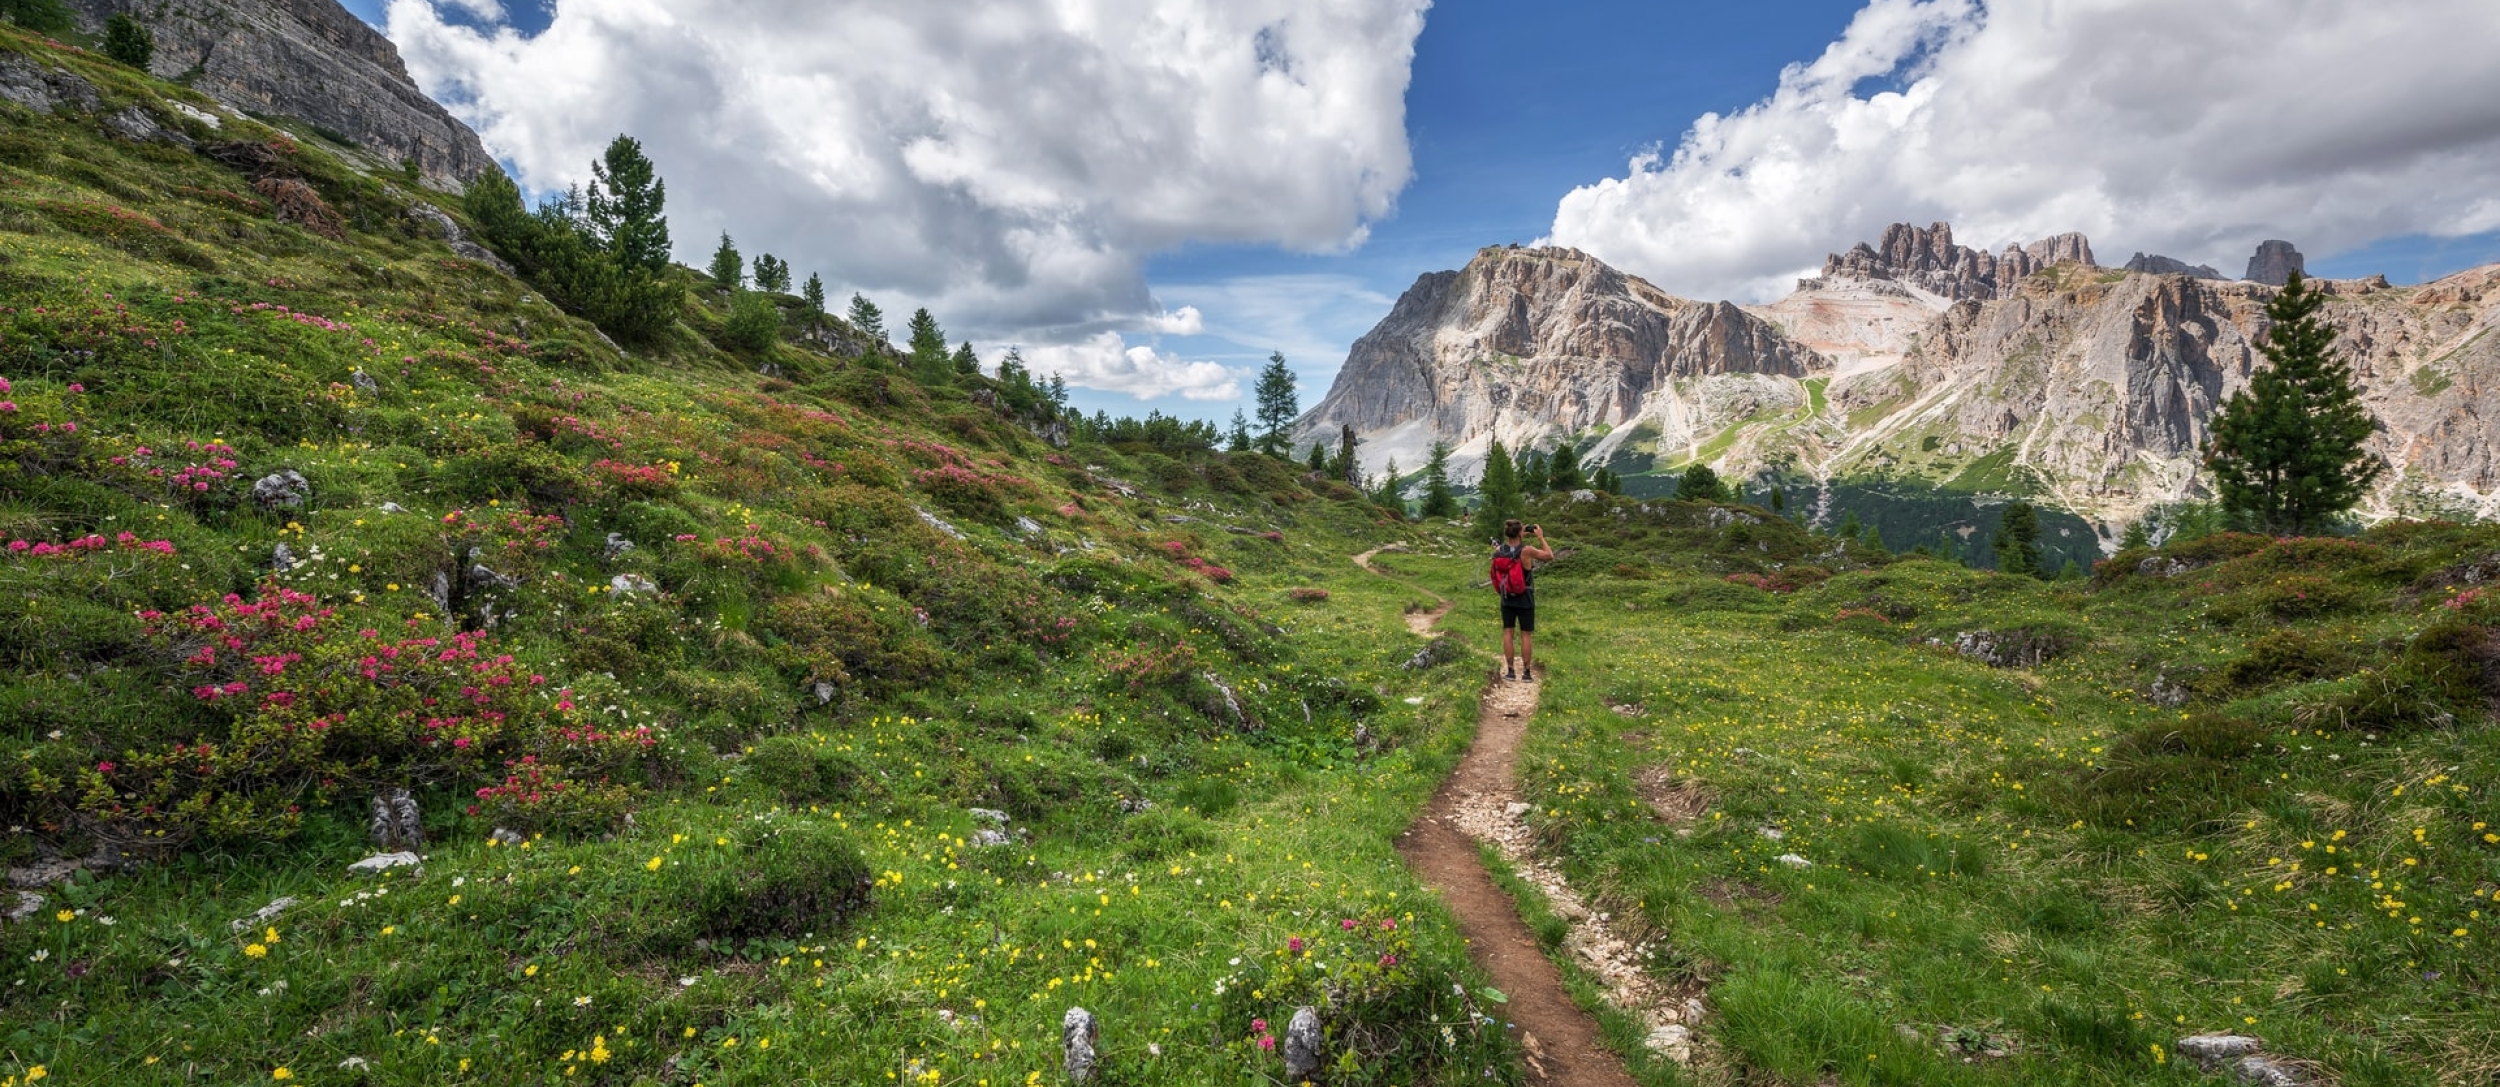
1079	1035
284	489
1305	1051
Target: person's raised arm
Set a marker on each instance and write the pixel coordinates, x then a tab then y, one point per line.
1543	551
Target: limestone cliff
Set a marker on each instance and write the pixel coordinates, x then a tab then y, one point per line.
1526	345
1916	361
306	59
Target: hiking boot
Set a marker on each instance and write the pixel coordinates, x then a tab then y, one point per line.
1508	674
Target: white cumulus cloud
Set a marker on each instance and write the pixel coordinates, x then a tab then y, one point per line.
1008	163
1105	361
2189	129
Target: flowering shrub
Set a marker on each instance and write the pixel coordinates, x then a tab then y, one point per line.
304	710
1308	594
86	545
1375	999
195	477
635	480
1179	552
543	796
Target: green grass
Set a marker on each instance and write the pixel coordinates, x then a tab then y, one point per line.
1170	839
2040	856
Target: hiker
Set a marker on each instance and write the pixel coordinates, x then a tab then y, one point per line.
1514	578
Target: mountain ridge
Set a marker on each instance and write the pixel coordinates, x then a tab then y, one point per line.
1915	361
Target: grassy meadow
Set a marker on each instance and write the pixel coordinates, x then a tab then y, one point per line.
2033	875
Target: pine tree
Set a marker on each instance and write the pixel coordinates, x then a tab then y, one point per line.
1238	440
1700	484
2288	452
623	208
1276	403
1498	493
867	318
928	347
814	293
1058	391
966	363
2017	543
728	270
772	273
1562	474
1849	525
1779	499
2138	534
1385	493
1344	465
1318	458
128	42
1439	499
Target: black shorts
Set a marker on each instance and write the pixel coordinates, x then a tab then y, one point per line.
1522	616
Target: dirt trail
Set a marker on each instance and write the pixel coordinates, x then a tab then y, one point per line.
1563	1043
1420	622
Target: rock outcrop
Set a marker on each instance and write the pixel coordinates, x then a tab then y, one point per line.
1906	363
2156	264
2274	262
1929	260
310	60
1526	344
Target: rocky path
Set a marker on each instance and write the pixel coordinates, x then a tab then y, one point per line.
1562	1042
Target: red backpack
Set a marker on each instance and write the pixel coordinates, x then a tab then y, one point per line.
1510	574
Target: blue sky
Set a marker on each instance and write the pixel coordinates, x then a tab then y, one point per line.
1515	117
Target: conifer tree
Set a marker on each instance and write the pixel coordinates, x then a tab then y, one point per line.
928	347
772	273
866	317
1439	499
2138	534
1058	391
1318	458
1700	484
1779	498
729	272
1498	492
967	363
1238	440
2287	452
125	40
1385	493
1276	403
1562	473
2017	542
814	293
623	208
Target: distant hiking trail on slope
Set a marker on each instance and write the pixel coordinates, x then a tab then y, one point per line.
1479	803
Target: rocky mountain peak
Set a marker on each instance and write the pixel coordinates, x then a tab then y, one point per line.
310	60
2156	264
1929	260
2274	262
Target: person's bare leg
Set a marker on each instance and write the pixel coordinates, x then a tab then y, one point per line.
1527	655
1507	634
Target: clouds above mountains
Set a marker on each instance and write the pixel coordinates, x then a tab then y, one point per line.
1009	163
2191	129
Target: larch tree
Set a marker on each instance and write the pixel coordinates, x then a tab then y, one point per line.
1276	403
866	317
1498	493
729	271
1439	499
2288	452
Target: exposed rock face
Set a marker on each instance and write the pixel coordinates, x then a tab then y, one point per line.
1524	344
2274	262
310	60
2098	391
2156	264
1928	260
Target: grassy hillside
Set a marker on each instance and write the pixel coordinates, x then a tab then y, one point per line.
299	507
300	512
2239	785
